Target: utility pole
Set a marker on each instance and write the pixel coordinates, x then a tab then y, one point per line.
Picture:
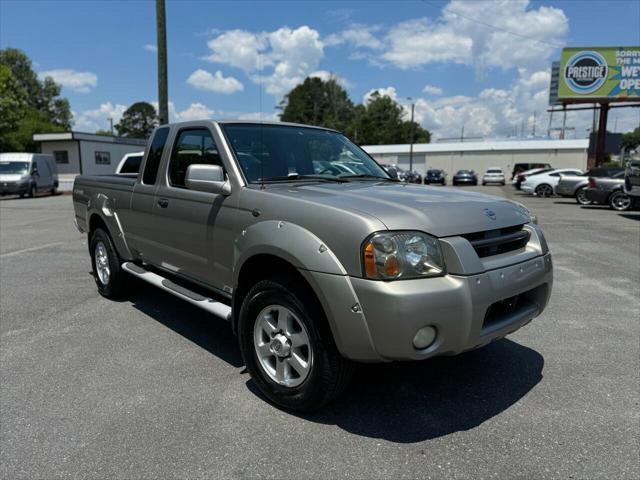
462	134
550	121
111	125
163	95
413	106
564	121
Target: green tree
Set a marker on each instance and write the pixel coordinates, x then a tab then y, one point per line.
42	96
138	121
21	138
631	140
318	102
13	104
380	122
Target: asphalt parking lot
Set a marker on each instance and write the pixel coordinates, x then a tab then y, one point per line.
153	387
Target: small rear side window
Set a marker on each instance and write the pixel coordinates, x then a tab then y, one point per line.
132	164
154	156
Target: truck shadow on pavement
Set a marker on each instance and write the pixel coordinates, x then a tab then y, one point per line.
203	329
412	402
402	402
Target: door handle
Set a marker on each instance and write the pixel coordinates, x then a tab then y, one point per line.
163	203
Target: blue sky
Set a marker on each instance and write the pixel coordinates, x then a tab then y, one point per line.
481	64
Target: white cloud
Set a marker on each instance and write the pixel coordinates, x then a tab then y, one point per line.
151	47
203	80
195	111
432	90
481	33
238	48
98	118
73	80
277	60
360	36
493	112
383	92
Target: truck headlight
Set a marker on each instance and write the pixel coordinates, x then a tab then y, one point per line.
394	255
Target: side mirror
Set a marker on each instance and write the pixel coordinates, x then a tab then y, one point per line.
207	178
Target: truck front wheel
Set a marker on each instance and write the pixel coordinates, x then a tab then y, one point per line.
287	346
109	277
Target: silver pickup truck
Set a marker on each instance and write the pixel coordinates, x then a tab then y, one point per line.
315	255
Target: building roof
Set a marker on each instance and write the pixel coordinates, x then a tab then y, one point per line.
488	146
90	137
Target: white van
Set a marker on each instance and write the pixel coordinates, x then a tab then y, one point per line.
27	174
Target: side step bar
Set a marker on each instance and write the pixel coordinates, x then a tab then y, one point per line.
209	304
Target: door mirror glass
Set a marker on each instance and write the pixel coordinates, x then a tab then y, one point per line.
207	178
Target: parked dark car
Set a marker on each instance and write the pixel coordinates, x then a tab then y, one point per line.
410	176
402	175
523	167
435	176
609	191
576	185
465	177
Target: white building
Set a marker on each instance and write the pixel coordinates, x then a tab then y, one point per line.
87	153
478	156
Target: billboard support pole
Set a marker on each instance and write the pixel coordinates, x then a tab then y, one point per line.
564	120
602	133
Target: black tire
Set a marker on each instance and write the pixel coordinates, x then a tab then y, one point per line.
544	190
581	197
330	373
32	190
620	201
117	281
444	183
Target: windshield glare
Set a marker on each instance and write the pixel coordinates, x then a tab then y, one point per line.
275	152
14	167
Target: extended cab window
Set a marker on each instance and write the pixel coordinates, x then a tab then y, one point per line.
154	156
193	146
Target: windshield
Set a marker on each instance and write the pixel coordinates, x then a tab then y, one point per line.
14	167
465	172
280	152
494	170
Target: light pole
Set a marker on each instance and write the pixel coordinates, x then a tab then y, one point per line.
413	106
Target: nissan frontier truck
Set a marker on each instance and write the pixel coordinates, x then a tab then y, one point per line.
317	267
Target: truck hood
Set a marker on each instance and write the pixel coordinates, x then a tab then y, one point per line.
438	211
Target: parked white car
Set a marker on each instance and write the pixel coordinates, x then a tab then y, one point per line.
27	174
543	184
493	175
130	164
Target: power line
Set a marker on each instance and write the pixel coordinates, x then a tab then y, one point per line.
555	45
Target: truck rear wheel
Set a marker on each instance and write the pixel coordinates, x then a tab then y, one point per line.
110	279
288	348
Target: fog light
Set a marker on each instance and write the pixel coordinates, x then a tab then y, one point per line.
424	337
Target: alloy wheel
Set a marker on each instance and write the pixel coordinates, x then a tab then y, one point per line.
102	263
282	346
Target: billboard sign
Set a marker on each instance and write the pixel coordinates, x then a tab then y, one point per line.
605	73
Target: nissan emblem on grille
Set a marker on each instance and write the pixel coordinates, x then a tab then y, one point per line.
490	214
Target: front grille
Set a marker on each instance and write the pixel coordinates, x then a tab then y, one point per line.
501	240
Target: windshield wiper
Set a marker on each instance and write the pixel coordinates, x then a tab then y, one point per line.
366	175
289	178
